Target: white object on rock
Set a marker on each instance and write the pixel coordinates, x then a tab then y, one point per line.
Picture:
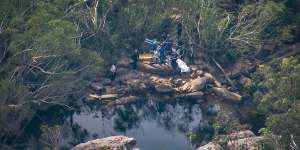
183	66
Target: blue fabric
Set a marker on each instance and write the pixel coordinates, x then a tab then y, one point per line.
162	55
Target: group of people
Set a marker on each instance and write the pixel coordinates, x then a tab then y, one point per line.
161	50
166	48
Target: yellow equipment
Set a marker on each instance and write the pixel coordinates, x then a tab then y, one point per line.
146	56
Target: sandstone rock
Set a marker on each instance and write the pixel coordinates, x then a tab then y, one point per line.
210	146
241	135
239	140
215	109
97	87
245	143
196	84
245	82
158	69
124	62
103	97
109	143
177	81
194	95
164	89
106	81
224	93
127	100
200	73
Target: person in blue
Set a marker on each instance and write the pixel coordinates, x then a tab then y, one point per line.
167	44
162	55
173	59
153	44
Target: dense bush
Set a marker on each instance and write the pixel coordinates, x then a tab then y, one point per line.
278	98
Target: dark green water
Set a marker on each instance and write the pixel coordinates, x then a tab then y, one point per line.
154	124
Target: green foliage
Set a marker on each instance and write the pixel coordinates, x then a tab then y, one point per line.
279	98
218	32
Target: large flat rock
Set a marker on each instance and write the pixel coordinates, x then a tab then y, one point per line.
109	143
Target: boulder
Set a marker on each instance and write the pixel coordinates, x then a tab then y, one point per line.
224	93
97	87
215	109
194	95
210	146
106	81
250	143
196	84
238	140
245	82
109	143
241	135
161	88
127	100
103	97
157	69
124	62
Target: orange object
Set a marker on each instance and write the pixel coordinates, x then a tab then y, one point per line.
146	57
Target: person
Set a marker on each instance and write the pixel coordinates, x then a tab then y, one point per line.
173	59
180	50
166	45
179	30
153	44
164	36
191	54
162	55
113	71
135	58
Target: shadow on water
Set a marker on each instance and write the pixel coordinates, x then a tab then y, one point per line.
154	124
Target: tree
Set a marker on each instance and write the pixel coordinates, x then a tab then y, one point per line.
278	98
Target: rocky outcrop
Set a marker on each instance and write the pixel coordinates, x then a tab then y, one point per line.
196	84
164	89
109	143
210	146
226	94
238	140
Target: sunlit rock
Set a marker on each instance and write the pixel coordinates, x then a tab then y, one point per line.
109	143
226	94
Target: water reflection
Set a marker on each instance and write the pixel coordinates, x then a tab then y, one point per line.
155	125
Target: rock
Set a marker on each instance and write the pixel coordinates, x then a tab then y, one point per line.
177	81
210	146
215	109
200	73
239	140
104	97
97	87
127	100
250	143
164	88
158	69
241	135
194	95
109	143
106	81
124	62
245	82
196	84
224	93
